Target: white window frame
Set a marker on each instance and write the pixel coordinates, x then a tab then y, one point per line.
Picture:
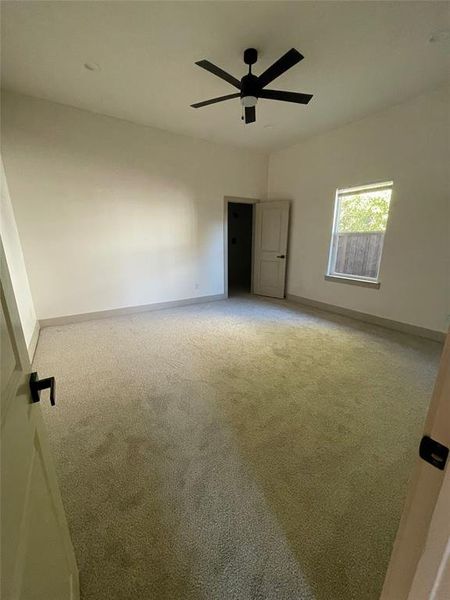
331	274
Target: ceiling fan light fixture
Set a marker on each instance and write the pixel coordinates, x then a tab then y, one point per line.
249	101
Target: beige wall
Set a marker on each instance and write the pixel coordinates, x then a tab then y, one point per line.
407	143
16	265
113	214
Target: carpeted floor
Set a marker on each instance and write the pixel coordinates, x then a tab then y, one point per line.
236	450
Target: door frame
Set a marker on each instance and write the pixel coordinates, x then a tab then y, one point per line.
235	200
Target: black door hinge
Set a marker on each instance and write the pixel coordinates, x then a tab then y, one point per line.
433	452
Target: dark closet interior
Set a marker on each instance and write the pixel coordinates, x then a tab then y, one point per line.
240	225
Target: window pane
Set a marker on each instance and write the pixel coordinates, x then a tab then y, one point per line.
366	212
358	254
361	219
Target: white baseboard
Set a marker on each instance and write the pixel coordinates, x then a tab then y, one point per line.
33	342
431	334
128	310
437	336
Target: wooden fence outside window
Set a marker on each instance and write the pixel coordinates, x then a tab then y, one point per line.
358	253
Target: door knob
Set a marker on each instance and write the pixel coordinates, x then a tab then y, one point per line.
36	385
281	256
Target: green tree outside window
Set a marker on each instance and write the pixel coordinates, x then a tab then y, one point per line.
365	212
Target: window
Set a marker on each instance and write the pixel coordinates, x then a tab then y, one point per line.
360	219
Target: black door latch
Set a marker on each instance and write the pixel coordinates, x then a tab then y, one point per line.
433	452
36	385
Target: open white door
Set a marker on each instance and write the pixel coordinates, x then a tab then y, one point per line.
271	237
432	577
38	562
419	568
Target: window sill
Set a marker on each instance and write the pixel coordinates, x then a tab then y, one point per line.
353	281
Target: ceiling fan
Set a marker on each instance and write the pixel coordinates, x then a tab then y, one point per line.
251	87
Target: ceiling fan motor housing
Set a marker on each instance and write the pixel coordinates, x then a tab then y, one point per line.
249	86
249	83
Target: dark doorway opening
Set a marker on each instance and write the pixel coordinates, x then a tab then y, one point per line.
240	230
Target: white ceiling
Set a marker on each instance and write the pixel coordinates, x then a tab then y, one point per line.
359	58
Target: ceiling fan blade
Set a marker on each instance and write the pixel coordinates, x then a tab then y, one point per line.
285	96
250	114
214	100
288	60
208	66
